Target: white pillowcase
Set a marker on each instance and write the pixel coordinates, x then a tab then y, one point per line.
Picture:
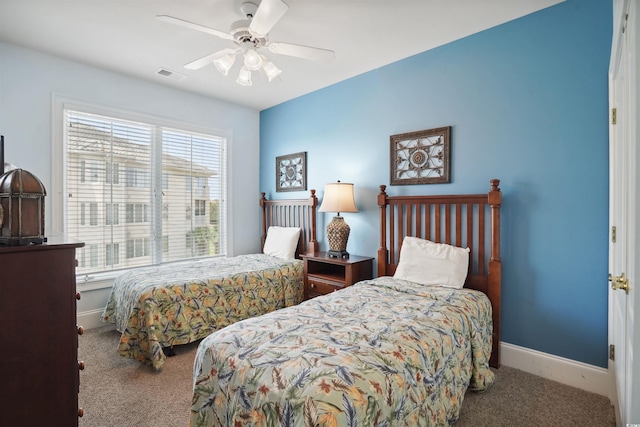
429	263
282	242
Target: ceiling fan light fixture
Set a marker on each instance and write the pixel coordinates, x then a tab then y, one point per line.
224	63
270	69
250	35
252	60
244	77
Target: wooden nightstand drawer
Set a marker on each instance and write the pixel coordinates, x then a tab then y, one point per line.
324	274
318	286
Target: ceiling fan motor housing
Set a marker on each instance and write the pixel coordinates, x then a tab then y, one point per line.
241	33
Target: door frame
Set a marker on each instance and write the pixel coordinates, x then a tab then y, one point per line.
631	24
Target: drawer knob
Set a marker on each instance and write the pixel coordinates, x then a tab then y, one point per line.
80	412
313	285
81	365
78	295
80	330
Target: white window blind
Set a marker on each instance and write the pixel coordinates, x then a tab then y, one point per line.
126	196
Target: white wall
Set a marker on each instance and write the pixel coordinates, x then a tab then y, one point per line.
30	80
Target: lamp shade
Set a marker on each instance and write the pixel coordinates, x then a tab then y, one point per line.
252	60
270	69
244	77
224	63
338	197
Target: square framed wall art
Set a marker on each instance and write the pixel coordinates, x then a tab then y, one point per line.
422	157
291	172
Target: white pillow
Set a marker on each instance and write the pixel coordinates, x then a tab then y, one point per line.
429	263
282	242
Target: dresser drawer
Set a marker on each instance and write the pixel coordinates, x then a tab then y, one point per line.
317	286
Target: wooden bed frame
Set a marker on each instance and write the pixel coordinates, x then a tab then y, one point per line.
292	213
458	220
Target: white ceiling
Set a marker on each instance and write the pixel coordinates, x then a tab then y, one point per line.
125	36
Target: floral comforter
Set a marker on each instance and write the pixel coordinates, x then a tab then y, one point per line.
162	306
382	352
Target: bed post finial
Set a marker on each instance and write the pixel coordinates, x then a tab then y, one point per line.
382	196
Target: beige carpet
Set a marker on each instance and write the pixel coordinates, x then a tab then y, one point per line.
119	392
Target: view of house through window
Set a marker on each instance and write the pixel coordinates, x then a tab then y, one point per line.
140	194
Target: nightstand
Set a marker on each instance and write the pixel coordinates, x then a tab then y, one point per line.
324	274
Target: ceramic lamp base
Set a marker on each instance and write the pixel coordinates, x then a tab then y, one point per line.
338	235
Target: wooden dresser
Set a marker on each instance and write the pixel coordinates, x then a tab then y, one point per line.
39	367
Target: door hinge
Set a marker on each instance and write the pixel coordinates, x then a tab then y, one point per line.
613	116
613	234
624	26
612	352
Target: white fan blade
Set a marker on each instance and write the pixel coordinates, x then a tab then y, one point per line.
197	27
268	14
206	60
305	52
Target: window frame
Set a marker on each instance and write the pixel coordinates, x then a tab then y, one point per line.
59	166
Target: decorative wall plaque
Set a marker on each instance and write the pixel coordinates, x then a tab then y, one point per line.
421	157
291	172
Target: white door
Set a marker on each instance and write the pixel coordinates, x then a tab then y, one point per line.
623	162
617	238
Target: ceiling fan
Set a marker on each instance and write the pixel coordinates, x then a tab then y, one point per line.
250	35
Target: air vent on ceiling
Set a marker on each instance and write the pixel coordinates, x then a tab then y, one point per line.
170	74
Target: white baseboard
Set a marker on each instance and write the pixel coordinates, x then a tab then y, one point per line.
90	319
566	371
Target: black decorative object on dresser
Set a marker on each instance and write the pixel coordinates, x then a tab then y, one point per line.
324	273
21	208
39	362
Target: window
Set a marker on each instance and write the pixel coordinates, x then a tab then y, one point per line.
93	171
113	172
136	177
93	214
93	255
201	207
114	164
112	254
137	212
113	214
82	262
137	248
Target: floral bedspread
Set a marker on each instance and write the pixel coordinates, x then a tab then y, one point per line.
382	352
162	306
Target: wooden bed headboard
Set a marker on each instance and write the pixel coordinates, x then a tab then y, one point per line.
292	213
459	220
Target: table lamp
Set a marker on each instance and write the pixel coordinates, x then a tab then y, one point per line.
338	197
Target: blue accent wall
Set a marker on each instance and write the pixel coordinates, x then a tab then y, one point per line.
528	104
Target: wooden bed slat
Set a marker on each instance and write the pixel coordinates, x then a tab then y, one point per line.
402	216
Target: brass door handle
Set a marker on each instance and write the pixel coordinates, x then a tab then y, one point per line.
619	282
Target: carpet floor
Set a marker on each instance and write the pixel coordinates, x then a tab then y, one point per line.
115	391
